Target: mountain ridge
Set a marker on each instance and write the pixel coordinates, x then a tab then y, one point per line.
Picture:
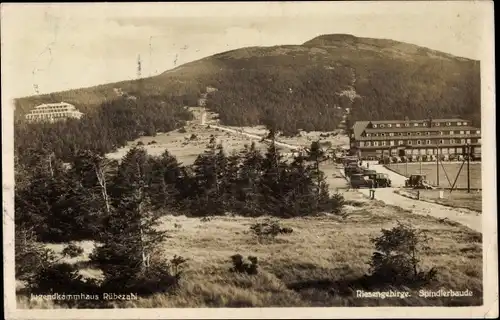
387	78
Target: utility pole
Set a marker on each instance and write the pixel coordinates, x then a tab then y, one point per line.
437	164
468	167
420	158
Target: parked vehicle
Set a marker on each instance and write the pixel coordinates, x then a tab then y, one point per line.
361	181
417	181
352	169
369	172
382	180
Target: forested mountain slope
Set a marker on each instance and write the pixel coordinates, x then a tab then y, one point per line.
307	86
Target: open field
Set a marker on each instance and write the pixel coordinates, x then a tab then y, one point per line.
187	147
457	198
303	138
316	264
451	170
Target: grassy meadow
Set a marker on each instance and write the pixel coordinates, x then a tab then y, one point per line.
457	198
318	265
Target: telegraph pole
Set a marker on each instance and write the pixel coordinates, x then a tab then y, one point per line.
437	164
468	167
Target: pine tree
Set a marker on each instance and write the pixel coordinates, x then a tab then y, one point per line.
208	169
270	184
251	173
317	156
130	236
165	178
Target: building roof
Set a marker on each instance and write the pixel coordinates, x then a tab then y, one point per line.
418	121
423	129
422	137
359	127
44	105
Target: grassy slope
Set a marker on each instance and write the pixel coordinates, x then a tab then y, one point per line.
298	270
388	75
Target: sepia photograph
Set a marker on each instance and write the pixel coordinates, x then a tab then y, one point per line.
249	160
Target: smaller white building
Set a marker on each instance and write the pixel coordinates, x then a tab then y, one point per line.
50	112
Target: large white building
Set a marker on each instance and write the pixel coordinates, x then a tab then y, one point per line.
51	112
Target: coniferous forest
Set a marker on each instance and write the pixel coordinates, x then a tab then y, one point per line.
67	190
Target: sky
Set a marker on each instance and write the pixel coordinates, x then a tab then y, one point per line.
54	47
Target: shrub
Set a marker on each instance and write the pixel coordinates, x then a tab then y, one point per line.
396	260
160	277
269	229
182	130
60	277
241	266
335	203
72	250
30	255
425	158
205	219
193	137
140	143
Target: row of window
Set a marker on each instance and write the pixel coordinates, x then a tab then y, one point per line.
417	142
53	115
418	124
38	111
433	151
392	134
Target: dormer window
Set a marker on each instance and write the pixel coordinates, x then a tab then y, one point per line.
465	123
448	124
424	124
374	125
368	135
459	123
415	124
407	124
418	133
409	134
389	125
382	125
437	124
382	134
398	125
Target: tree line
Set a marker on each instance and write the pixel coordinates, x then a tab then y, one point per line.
70	201
109	127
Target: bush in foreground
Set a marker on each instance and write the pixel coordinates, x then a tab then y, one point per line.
241	266
396	260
